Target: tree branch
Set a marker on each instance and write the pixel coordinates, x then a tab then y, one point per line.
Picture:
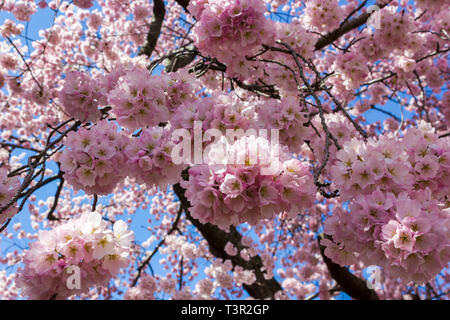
183	3
349	283
159	12
262	288
348	26
160	244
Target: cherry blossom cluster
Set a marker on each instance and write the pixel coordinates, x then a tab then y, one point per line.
230	30
295	35
283	78
81	96
180	245
8	189
39	95
83	247
303	42
138	100
224	111
398	215
288	117
393	31
341	129
352	69
407	235
10	28
85	4
149	158
246	181
181	88
93	159
224	276
323	15
394	38
21	9
145	290
445	109
441	21
417	161
8	61
394	28
433	5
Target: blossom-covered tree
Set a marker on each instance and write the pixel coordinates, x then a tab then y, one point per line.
206	149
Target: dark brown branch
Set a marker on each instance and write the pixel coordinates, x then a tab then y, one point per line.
262	90
25	62
348	282
323	85
183	3
36	161
320	44
353	12
159	11
344	28
94	203
217	238
328	135
333	290
432	54
3	227
17	146
374	107
50	215
421	107
180	60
